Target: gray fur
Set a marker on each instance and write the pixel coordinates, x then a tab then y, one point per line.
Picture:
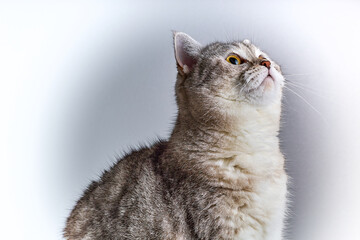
168	190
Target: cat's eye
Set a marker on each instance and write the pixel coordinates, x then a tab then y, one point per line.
233	60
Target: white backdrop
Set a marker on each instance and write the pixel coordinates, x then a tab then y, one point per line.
81	81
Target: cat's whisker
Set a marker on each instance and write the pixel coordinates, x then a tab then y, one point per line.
245	85
236	85
317	93
308	103
297	83
299	74
307	88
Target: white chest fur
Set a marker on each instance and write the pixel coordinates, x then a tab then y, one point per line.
255	208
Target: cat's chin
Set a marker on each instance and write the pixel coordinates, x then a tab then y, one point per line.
268	82
268	92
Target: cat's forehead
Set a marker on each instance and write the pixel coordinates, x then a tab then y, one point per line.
244	49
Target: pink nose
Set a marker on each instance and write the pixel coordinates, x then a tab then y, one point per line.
266	63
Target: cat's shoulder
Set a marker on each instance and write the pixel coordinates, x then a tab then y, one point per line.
135	159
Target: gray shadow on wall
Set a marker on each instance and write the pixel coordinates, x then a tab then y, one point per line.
127	101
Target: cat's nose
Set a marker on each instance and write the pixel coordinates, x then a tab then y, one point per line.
265	63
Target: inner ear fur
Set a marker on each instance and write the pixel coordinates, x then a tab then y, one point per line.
187	51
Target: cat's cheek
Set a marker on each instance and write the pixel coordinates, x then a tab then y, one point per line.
277	76
277	67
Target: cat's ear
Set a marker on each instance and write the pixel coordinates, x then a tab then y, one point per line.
187	51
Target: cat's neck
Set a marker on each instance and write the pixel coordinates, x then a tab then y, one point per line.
254	130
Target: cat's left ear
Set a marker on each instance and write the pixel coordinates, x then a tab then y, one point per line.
187	51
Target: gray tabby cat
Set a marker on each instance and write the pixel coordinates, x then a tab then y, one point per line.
221	173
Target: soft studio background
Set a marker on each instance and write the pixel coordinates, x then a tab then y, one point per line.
81	81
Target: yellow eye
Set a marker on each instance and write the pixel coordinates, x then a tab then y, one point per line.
233	59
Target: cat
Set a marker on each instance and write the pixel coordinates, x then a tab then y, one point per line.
220	175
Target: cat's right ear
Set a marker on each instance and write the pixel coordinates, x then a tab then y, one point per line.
187	51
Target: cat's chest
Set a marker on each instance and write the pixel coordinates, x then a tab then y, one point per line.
247	214
251	200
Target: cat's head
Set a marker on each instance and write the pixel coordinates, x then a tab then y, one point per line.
219	77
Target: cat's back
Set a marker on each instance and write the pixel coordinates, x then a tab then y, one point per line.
123	195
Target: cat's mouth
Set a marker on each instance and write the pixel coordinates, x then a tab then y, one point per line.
268	80
265	84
